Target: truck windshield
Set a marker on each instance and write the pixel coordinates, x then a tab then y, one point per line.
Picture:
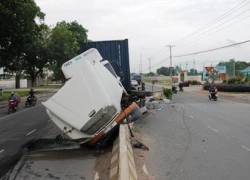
110	68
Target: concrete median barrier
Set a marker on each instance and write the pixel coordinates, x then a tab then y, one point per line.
122	162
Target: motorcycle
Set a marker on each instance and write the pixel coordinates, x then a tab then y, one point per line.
31	101
181	89
174	89
12	106
213	96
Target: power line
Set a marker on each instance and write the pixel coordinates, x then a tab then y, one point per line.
157	64
214	21
218	25
243	42
214	32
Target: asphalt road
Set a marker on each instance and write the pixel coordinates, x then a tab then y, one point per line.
194	138
63	160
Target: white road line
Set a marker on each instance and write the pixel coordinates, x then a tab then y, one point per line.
145	169
246	148
49	120
96	176
20	112
31	132
191	116
2	151
212	129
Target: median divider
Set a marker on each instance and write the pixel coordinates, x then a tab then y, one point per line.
122	161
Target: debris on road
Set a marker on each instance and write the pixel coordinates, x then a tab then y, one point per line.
137	144
158	96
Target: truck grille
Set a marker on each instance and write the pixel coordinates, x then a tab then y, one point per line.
102	117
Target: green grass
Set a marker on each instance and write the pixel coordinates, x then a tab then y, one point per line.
50	86
162	82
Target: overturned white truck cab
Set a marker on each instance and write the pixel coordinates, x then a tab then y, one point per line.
91	102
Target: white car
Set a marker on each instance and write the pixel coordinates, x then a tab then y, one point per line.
134	83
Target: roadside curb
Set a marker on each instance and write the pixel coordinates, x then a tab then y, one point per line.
122	160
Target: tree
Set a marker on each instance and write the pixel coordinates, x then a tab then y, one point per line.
17	19
193	72
165	71
239	65
177	69
37	54
64	46
79	32
151	74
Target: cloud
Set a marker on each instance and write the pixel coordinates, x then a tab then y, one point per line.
150	25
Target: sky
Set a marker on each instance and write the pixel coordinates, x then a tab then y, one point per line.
151	25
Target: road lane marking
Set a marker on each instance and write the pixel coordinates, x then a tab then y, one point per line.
212	129
31	132
20	111
49	120
2	151
145	169
245	148
191	116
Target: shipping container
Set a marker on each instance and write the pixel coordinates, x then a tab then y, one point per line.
117	53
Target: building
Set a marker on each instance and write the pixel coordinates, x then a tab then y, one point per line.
246	72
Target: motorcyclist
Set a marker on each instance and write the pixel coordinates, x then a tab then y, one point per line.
174	86
212	89
14	97
31	94
181	85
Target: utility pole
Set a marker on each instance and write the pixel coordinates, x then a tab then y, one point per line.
234	67
194	68
149	64
170	48
141	62
186	65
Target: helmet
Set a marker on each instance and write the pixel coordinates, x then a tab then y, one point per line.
12	93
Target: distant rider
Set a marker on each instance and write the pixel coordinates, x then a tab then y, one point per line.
181	85
174	86
213	89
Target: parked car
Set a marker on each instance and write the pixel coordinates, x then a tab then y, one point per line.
134	83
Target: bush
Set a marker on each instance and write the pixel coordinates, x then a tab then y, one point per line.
167	93
247	80
229	87
235	80
224	81
194	82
